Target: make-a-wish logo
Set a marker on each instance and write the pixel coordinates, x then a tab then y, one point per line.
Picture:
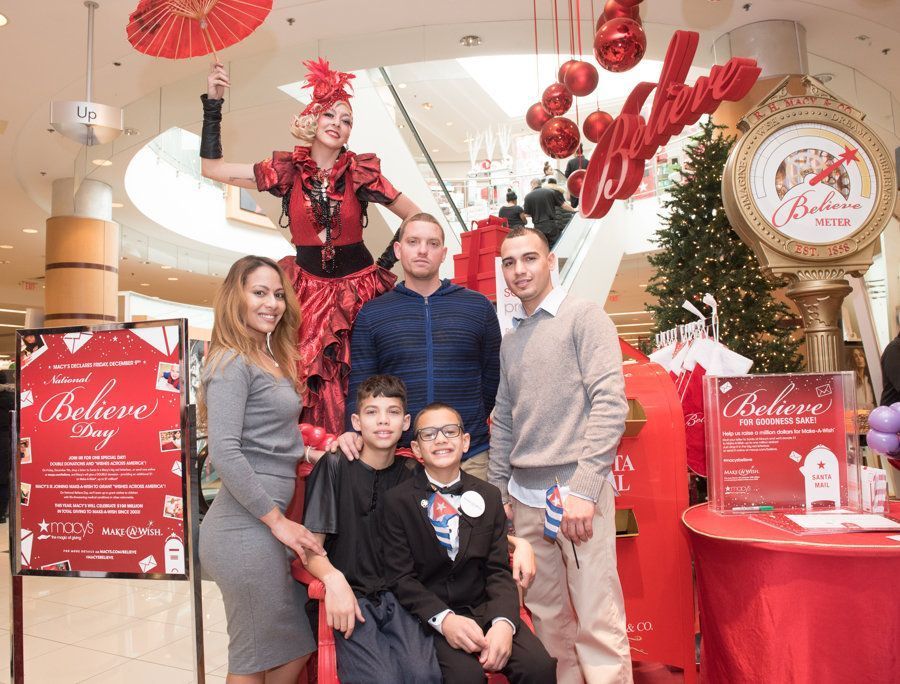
132	531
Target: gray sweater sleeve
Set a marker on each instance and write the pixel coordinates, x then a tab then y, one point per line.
600	362
499	468
227	390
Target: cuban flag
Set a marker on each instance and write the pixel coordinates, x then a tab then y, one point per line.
553	512
440	513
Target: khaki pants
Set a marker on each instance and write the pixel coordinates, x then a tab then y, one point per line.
579	614
477	465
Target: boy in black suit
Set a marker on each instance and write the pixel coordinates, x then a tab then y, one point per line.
447	560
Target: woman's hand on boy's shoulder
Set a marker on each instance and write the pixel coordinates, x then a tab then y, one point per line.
350	443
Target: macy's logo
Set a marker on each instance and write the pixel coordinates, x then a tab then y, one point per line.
73	530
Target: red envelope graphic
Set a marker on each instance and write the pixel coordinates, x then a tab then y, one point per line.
165	339
76	340
25	546
824	391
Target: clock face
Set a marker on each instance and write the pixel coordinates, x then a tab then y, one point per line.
813	183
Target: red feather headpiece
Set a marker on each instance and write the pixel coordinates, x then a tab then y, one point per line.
328	86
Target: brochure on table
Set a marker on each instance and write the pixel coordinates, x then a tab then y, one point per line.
837	522
782	442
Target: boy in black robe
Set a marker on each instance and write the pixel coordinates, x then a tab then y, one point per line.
381	641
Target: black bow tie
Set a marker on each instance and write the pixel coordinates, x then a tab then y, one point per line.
454	489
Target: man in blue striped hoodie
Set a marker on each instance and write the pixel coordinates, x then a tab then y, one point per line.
441	339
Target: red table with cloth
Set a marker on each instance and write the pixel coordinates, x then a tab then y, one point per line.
777	607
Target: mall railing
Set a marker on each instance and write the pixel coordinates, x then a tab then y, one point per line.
180	150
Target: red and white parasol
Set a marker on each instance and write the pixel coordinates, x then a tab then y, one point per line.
178	29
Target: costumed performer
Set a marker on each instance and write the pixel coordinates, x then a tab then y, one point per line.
325	191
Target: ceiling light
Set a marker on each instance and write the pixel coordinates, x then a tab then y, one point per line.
400	126
145	284
172	278
449	123
470	41
101	162
823	78
426	106
3	20
117	205
401	85
131	131
165	268
6	246
30	231
435	149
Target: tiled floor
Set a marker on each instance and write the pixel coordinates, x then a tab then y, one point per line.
109	631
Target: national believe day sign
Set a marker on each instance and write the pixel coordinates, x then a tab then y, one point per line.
101	434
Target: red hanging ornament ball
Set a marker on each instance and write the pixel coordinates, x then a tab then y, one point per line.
582	78
620	44
629	3
557	99
595	124
564	69
536	117
615	9
576	182
559	137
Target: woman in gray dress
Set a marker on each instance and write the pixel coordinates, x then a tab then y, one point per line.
250	404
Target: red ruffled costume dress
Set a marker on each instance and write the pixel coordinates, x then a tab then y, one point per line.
330	297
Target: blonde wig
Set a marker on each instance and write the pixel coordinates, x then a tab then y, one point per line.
230	328
303	126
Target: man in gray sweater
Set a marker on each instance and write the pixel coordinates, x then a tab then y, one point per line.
558	419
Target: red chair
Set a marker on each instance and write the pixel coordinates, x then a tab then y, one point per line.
326	666
327	658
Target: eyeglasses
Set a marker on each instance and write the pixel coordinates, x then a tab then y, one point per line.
430	434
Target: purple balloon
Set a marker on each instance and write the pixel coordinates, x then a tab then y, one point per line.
883	442
885	419
896	406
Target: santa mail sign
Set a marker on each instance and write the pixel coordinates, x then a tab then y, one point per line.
617	164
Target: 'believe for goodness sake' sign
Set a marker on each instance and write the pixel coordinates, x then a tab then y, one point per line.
778	442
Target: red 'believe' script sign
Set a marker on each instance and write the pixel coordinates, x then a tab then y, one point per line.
617	164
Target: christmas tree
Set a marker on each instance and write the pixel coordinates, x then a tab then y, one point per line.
701	253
